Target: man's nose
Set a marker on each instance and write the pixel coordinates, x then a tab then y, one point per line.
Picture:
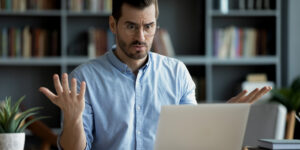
140	35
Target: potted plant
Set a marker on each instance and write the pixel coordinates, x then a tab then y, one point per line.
12	124
290	98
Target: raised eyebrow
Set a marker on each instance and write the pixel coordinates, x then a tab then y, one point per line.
129	22
151	23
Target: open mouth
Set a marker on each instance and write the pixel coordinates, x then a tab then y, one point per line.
139	47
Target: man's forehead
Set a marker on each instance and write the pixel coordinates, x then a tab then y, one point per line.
133	14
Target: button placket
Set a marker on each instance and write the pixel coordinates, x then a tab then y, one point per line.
138	111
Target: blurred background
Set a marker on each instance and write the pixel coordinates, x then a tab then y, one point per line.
227	45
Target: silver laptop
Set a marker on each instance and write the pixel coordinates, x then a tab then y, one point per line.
202	127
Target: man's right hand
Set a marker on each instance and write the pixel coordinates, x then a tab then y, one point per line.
72	105
69	101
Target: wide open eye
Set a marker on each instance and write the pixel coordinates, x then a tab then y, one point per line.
131	26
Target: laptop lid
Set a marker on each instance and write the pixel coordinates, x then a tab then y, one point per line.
202	127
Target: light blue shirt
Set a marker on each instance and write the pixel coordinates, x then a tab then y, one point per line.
122	109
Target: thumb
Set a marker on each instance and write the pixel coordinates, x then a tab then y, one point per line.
48	94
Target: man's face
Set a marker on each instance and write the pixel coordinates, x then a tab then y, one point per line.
135	31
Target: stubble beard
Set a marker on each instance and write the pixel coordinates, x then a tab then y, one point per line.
125	48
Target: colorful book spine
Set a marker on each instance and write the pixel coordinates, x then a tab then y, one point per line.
234	42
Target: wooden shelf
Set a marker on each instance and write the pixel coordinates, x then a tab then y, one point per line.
87	14
193	60
259	60
244	13
32	13
45	61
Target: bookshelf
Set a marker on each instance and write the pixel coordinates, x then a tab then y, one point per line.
228	73
191	25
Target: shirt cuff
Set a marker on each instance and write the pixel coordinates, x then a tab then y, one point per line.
59	146
58	141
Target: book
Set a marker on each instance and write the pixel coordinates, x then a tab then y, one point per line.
254	148
162	43
279	144
91	43
27	41
157	45
168	43
224	6
90	5
266	4
42	43
242	4
235	42
250	4
258	4
36	42
8	5
12	42
257	77
224	49
4	42
99	40
18	43
54	43
23	5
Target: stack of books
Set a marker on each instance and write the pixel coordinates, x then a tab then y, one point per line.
279	144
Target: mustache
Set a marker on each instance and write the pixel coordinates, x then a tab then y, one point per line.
138	43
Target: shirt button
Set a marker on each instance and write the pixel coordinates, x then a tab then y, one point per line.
138	108
138	132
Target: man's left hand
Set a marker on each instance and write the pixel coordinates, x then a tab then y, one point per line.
251	97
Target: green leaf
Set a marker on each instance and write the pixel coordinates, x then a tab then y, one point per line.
11	118
11	122
296	100
23	118
296	84
282	96
8	105
29	123
6	114
24	115
8	124
17	104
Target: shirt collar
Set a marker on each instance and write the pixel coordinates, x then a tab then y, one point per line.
120	65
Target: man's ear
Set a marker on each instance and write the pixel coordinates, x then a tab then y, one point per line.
112	24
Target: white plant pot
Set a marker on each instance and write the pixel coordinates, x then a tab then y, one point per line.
12	141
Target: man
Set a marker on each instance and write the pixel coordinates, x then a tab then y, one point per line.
121	93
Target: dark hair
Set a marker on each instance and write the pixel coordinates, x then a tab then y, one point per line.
141	4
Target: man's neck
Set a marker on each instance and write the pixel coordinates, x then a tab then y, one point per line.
133	64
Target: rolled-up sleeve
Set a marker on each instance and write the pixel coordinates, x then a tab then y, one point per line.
88	125
187	86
